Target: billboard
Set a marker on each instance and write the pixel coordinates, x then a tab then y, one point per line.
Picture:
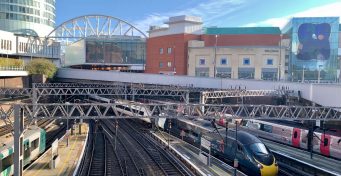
313	49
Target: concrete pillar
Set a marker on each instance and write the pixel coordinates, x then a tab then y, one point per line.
18	140
202	101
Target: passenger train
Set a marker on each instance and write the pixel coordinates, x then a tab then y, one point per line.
34	145
297	136
253	156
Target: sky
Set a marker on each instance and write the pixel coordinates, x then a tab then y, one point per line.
220	13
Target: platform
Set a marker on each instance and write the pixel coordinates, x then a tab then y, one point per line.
191	155
69	156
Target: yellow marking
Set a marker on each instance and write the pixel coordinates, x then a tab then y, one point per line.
271	170
41	168
68	155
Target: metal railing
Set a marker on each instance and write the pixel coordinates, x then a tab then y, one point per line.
12	68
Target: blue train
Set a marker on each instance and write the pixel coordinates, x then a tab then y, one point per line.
253	156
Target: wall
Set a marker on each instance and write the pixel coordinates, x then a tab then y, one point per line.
234	55
178	43
323	94
242	40
14	82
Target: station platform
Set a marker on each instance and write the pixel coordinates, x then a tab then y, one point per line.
190	154
70	156
318	161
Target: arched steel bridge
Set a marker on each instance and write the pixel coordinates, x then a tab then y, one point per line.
94	26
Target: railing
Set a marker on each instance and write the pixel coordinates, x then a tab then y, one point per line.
12	68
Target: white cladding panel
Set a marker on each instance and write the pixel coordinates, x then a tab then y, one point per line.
324	94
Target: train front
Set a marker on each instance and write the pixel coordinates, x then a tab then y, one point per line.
263	159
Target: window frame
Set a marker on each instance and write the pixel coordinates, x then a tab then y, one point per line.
160	50
269	59
202	61
246	59
169	50
223	59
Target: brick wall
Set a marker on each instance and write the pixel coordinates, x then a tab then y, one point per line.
178	43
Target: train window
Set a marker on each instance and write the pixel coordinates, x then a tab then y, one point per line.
325	141
259	149
266	128
7	162
240	148
295	134
34	144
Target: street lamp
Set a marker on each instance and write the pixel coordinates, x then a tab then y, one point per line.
174	70
303	74
215	56
319	73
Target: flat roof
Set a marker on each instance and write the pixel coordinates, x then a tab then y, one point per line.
242	30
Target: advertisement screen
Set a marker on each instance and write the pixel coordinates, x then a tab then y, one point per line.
313	49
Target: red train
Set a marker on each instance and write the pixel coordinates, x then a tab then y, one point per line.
327	144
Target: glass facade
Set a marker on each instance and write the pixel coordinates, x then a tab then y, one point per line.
120	50
27	17
313	48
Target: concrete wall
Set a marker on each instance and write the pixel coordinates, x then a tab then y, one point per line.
323	94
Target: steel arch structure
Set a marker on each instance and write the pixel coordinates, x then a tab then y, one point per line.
94	26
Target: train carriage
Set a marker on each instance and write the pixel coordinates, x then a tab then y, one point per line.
34	144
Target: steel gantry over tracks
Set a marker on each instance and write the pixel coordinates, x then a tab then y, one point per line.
173	110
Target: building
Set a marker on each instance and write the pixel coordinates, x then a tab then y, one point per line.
113	53
27	17
167	46
238	53
313	49
28	47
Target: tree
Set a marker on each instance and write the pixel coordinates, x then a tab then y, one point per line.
41	66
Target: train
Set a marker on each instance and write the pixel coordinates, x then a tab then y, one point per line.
323	143
253	156
34	145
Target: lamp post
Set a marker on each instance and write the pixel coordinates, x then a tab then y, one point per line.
280	58
215	56
319	73
303	74
174	70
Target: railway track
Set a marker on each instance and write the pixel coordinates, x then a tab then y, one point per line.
163	160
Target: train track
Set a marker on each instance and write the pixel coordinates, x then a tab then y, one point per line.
163	160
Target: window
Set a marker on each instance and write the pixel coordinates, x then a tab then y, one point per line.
246	61
269	62
161	50
160	64
169	64
202	62
169	50
35	144
7	162
223	61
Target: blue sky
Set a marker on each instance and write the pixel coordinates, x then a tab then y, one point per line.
221	13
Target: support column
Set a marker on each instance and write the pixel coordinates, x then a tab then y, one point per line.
202	101
125	92
34	101
18	140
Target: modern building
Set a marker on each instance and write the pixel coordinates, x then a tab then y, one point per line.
117	53
167	46
28	47
236	62
24	24
313	49
27	17
238	53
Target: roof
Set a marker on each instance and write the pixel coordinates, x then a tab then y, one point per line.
242	30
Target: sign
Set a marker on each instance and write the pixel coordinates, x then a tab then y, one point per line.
205	143
54	148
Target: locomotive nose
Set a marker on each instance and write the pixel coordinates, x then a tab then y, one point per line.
271	170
